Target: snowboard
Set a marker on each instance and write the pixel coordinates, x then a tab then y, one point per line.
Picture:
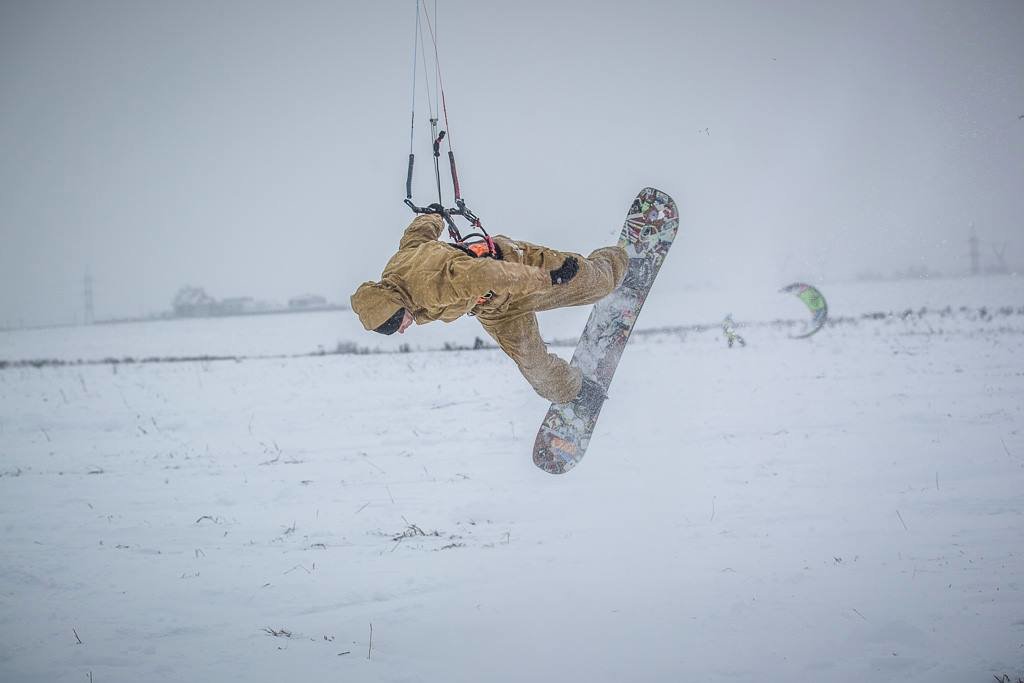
650	228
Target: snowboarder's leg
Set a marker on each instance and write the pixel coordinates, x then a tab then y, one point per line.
598	274
529	254
549	375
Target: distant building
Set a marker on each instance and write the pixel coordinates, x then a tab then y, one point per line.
237	304
307	301
193	301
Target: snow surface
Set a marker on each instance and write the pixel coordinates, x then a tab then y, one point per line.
843	508
303	333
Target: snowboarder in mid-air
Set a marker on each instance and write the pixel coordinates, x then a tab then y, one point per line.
504	287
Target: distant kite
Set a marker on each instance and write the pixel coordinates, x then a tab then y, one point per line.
815	303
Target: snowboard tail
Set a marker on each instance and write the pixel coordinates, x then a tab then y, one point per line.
647	235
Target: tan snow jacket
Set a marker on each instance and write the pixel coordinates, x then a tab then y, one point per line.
436	281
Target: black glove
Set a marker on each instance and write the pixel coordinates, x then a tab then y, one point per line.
566	272
435	208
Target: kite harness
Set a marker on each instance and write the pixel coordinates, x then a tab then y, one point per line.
479	242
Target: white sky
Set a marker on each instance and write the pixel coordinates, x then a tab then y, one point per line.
259	148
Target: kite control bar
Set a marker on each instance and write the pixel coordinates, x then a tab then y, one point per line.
439	136
460	205
460	210
446	213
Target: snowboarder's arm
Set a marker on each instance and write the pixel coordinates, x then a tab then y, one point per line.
424	228
474	277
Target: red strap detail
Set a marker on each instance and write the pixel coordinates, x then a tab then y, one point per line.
479	248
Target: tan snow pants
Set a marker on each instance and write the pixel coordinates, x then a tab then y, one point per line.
512	323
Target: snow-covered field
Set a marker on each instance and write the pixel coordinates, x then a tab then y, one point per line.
305	333
843	508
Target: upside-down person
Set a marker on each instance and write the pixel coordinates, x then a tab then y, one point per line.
428	280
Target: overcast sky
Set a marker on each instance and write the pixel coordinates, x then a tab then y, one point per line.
259	148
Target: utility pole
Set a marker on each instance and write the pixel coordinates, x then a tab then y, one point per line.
1000	252
973	241
87	285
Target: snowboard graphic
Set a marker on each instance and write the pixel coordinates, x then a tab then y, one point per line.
650	227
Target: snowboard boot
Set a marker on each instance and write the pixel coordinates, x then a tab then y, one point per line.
591	391
587	404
